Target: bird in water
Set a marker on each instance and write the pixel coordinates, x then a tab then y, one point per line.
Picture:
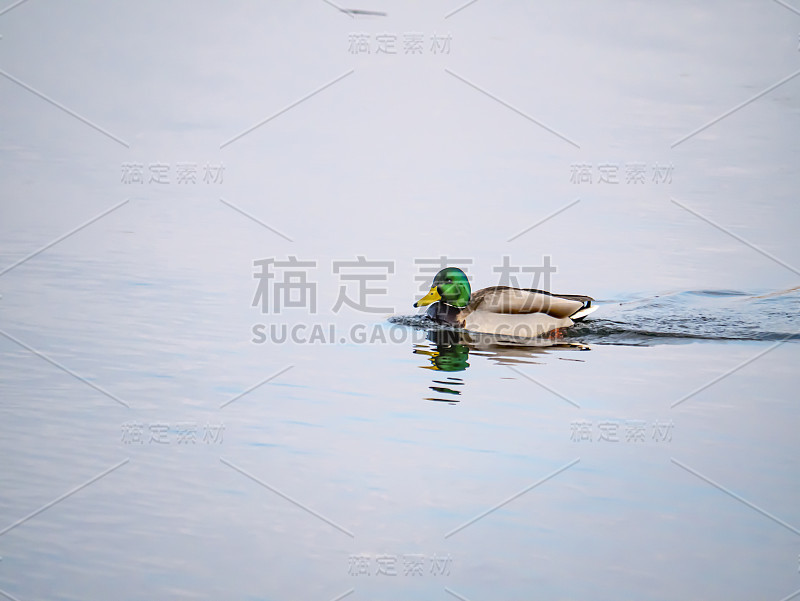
501	310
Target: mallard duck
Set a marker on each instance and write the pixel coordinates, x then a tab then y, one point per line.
501	310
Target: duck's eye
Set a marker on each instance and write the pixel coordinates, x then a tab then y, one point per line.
449	281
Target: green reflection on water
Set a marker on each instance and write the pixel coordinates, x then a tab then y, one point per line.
449	351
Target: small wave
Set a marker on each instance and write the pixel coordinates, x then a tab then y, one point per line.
603	331
416	321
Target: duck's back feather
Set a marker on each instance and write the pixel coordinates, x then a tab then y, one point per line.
511	301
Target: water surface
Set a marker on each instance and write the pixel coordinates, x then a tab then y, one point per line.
154	448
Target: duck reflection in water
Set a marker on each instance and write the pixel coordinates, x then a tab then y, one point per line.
446	353
448	350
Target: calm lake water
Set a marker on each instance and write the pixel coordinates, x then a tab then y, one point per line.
164	434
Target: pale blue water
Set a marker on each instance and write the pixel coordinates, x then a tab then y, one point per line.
394	453
153	446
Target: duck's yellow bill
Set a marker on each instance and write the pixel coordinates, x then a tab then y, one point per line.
429	298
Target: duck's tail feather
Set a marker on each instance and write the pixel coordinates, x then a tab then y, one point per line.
583	312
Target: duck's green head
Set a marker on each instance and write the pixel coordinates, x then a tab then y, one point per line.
450	286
